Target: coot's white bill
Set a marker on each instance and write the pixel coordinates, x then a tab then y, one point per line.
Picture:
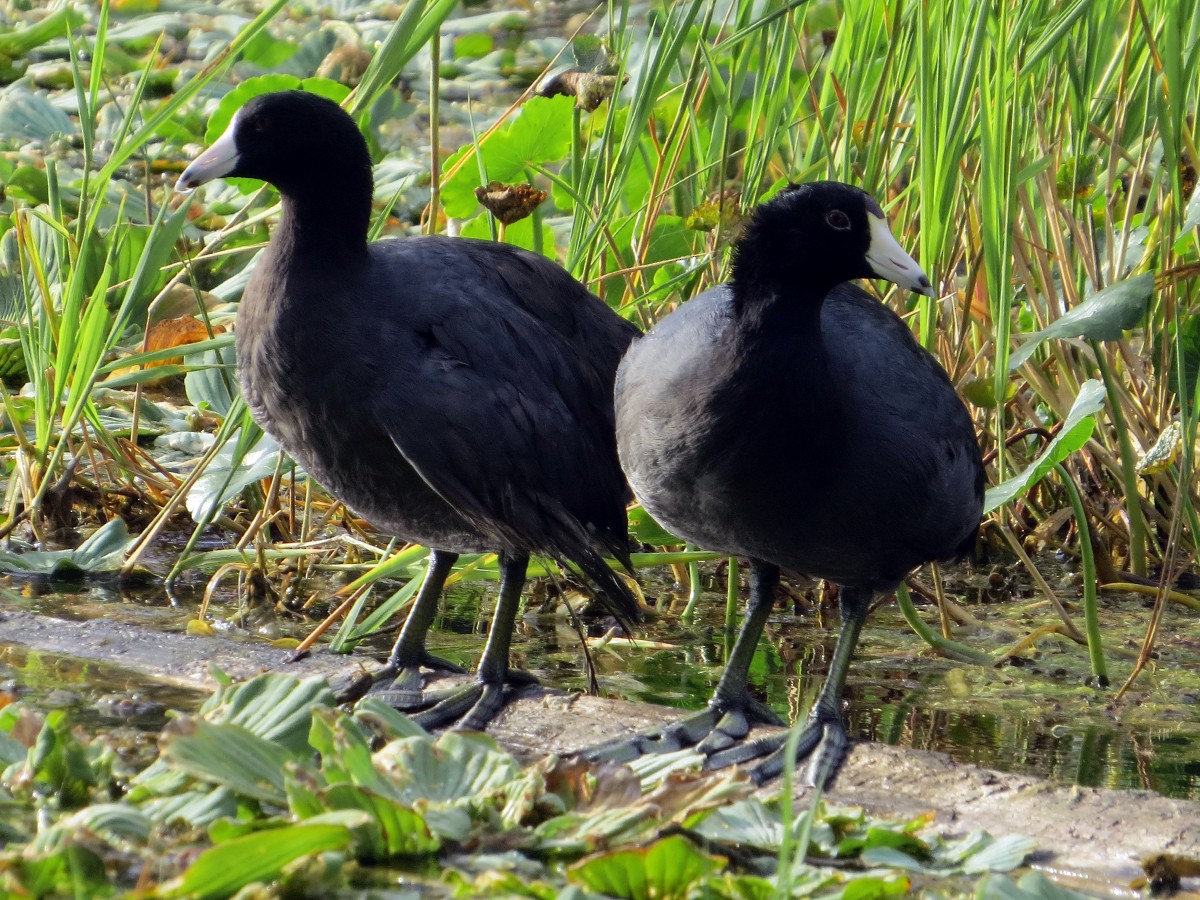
217	161
889	260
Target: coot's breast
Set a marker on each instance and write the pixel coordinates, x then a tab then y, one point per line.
308	372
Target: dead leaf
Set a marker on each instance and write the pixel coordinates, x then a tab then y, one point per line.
509	202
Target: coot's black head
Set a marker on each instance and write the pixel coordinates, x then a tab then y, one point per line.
811	237
311	150
295	140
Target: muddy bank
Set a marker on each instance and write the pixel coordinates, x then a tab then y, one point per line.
1100	834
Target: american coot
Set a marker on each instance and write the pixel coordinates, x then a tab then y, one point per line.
457	393
792	419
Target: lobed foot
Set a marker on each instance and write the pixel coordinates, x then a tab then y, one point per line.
470	707
405	690
710	731
822	741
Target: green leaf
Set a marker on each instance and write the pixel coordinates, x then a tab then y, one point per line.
404	831
1187	345
664	870
19	41
260	856
276	707
877	836
231	471
1002	854
872	887
266	84
139	34
375	714
73	871
103	551
891	858
644	529
210	378
453	767
227	755
267	51
195	807
346	754
116	823
748	823
140	266
982	391
31	117
28	183
473	46
1104	316
519	234
59	763
1076	429
539	134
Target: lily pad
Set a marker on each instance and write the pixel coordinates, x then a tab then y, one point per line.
266	84
540	134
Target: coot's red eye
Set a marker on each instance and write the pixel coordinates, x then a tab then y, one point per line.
838	219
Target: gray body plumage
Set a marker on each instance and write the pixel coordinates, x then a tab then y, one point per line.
840	452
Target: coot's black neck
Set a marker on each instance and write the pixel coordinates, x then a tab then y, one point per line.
777	307
777	282
325	220
777	320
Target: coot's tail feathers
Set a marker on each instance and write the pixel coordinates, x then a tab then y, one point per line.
971	451
966	550
614	596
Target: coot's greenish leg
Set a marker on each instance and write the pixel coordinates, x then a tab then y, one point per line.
408	653
823	741
476	704
732	711
732	696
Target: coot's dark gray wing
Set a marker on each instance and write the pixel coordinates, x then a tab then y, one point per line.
504	402
919	431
